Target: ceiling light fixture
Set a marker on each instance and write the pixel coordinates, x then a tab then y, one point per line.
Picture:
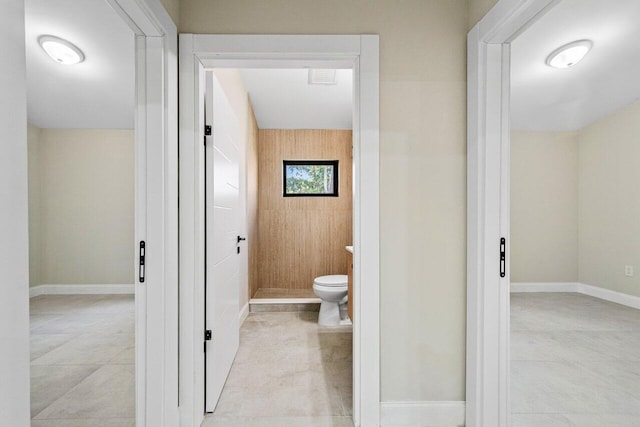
570	54
60	50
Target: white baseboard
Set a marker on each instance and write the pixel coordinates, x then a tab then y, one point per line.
81	290
517	287
421	414
609	295
244	312
593	291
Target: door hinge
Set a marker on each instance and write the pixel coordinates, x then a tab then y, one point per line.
207	130
141	266
503	257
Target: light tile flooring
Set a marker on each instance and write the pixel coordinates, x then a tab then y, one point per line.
575	361
288	372
82	361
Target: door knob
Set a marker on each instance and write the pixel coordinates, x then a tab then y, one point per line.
240	239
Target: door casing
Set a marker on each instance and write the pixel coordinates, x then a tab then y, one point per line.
488	135
156	210
358	52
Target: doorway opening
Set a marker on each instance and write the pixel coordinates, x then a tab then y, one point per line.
81	145
155	213
573	217
493	238
202	53
278	209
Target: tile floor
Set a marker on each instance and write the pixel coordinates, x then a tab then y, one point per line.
288	372
575	361
82	361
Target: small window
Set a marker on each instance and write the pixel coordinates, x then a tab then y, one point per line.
310	178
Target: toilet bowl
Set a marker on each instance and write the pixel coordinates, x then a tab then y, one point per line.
332	290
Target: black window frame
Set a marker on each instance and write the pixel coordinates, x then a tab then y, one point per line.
333	163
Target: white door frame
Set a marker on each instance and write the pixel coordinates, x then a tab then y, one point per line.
488	56
360	52
156	210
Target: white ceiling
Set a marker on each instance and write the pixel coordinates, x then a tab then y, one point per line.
283	99
607	79
97	93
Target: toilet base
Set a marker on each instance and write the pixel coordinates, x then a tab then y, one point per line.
329	314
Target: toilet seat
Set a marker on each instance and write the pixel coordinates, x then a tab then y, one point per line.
335	280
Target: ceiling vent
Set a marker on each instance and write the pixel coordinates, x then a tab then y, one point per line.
322	77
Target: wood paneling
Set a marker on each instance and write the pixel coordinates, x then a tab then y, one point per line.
252	200
301	238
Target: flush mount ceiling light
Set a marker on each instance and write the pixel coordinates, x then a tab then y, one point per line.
60	50
322	77
570	54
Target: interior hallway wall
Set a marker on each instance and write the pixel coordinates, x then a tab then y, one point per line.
302	238
544	206
86	185
477	9
231	83
173	9
609	194
422	169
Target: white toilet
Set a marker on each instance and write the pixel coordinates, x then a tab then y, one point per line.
332	290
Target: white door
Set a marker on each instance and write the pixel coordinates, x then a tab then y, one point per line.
222	235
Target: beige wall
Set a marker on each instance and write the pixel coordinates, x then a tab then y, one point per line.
173	8
479	8
575	204
544	207
609	209
422	169
33	149
302	238
85	186
234	89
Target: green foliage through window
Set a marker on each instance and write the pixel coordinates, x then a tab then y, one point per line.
310	178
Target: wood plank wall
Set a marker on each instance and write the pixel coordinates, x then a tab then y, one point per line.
301	238
252	199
